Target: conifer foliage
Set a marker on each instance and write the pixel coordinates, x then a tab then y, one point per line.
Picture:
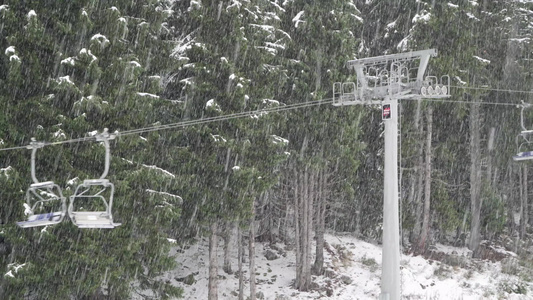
69	69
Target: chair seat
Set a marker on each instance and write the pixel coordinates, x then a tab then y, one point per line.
43	184
93	219
42	220
523	156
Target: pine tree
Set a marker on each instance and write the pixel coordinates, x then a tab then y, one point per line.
320	45
82	73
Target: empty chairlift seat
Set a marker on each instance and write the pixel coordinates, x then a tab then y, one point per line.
92	202
526	138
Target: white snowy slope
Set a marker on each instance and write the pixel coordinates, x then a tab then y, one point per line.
353	272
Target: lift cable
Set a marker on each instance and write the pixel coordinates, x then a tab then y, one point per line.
267	110
470	102
484	88
192	122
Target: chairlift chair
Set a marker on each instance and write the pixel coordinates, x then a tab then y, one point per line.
45	204
527	136
97	194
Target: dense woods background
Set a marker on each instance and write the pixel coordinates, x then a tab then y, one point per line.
68	68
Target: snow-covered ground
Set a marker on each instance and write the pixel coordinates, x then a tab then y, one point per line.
353	272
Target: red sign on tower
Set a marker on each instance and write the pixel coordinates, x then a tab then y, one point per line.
386	111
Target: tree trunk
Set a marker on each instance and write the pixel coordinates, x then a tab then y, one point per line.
523	203
304	228
227	234
422	240
251	244
418	180
240	255
303	218
297	231
310	203
318	266
475	179
213	263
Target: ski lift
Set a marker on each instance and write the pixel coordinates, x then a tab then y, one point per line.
527	135
96	195
45	204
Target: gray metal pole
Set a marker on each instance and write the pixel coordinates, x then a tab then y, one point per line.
390	277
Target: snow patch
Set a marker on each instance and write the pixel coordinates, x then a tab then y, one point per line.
14	58
5	171
279	140
68	61
10	50
296	20
520	40
187	81
148	95
135	64
165	172
271	102
212	104
234	3
453	5
403	45
85	52
13	267
194	5
471	16
101	39
218	138
423	17
345	256
60	134
180	200
73	181
482	60
461	82
391	25
65	79
31	14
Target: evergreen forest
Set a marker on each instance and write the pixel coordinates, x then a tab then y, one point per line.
225	129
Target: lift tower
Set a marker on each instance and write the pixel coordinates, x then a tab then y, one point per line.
383	80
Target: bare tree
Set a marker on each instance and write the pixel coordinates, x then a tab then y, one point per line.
240	254
251	246
475	178
213	263
226	236
422	240
417	183
303	199
523	201
318	266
